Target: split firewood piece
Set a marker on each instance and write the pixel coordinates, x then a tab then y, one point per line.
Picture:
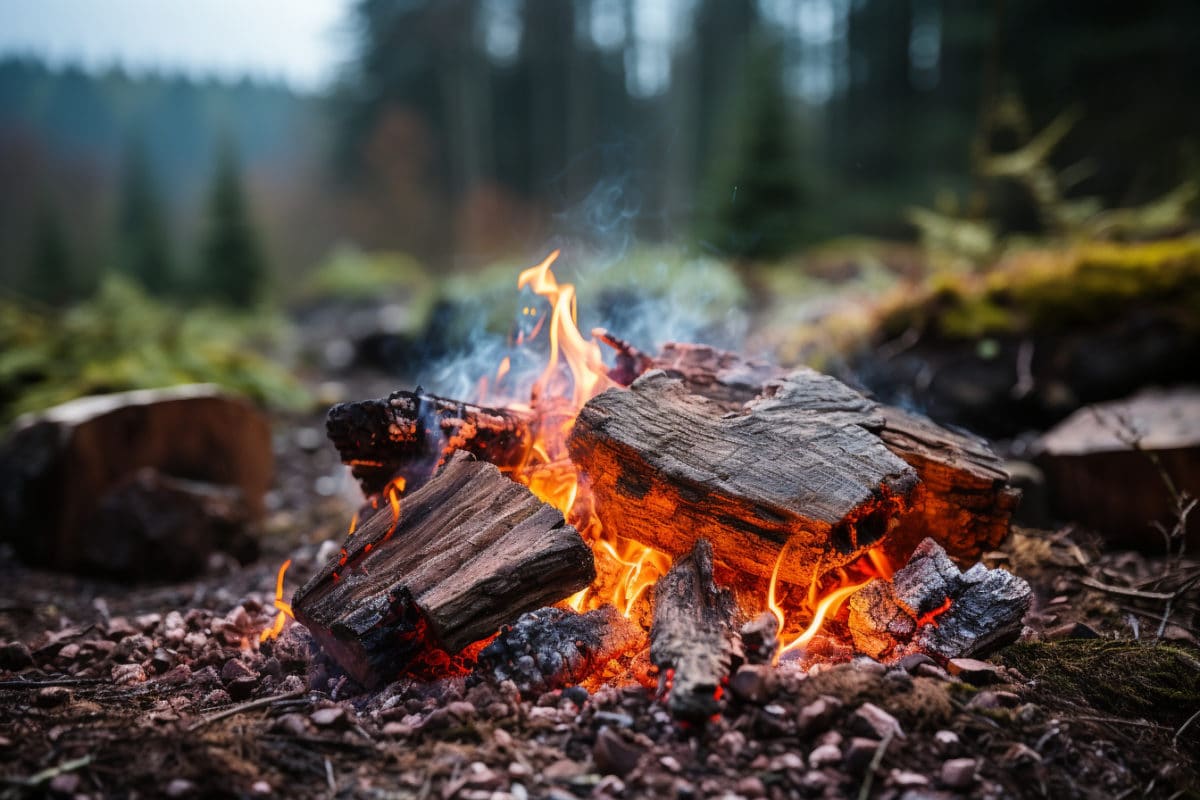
799	470
554	647
931	607
694	640
719	375
964	498
409	433
471	550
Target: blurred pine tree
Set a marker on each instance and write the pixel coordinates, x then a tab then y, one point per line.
143	244
51	278
233	268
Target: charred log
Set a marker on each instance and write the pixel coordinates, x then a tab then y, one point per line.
931	607
693	639
470	551
760	639
719	375
409	434
552	647
800	470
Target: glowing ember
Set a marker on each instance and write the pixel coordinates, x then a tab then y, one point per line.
284	607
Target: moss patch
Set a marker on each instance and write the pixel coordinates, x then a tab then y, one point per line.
1159	682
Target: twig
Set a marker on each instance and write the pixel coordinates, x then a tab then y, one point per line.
247	706
864	791
50	773
1182	728
1125	591
35	684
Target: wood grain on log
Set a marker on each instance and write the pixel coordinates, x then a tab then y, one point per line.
693	640
800	468
57	466
472	551
409	433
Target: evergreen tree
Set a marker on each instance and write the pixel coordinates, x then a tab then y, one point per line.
143	247
233	268
50	275
755	198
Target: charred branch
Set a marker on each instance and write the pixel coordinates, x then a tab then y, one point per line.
693	639
471	551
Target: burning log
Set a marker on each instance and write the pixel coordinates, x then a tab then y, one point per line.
409	433
694	639
554	647
68	472
716	374
468	552
931	607
800	470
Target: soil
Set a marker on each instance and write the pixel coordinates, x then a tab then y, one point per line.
150	690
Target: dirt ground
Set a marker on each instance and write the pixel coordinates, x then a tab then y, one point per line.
109	690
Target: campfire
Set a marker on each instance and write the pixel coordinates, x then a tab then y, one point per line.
663	519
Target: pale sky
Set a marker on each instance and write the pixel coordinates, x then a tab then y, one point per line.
301	42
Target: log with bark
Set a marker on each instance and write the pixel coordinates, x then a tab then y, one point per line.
694	638
409	434
471	551
801	471
68	495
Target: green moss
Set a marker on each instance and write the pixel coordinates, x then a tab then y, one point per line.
1159	682
1045	290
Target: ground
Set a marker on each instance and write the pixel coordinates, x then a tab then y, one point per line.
115	690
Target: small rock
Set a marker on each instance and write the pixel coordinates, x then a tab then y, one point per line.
67	783
400	730
868	665
958	773
15	656
670	763
932	671
69	653
51	696
614	755
785	761
332	717
234	669
752	683
577	695
217	697
147	623
974	671
180	787
859	753
910	662
242	688
518	770
907	779
988	699
260	788
561	770
613	718
292	724
871	720
818	714
946	741
128	674
462	710
824	756
751	786
502	738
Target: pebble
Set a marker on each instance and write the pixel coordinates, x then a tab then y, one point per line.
1072	630
818	714
260	787
180	787
974	671
1020	754
825	755
868	665
785	761
752	683
859	753
911	662
614	755
52	696
562	770
334	716
235	668
670	763
128	674
67	783
400	730
613	718
932	671
518	770
577	695
292	724
871	720
462	709
988	699
907	779
958	773
946	741
751	786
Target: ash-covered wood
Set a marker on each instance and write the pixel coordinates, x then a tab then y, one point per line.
799	469
472	550
410	433
693	639
760	639
931	607
58	467
553	647
719	375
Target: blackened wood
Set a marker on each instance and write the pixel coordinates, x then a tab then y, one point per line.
471	551
799	470
760	639
553	647
719	375
693	639
409	433
57	466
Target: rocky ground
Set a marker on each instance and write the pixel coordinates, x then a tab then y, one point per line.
112	690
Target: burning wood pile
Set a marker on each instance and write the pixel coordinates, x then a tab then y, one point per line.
740	512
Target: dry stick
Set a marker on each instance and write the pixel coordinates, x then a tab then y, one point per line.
35	684
864	791
247	706
1182	728
37	779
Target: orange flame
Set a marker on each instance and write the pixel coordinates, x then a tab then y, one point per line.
284	607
